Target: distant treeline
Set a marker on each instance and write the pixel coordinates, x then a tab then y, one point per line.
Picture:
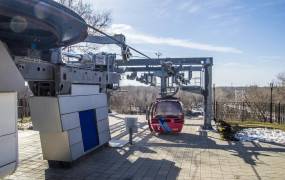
251	94
139	98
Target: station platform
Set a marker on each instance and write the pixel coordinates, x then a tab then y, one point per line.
192	154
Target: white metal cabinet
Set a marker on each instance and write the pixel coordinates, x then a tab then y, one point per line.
8	133
8	150
59	123
8	119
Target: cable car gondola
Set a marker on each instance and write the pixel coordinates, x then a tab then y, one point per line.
166	116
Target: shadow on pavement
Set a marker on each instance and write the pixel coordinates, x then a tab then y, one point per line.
114	163
249	153
132	162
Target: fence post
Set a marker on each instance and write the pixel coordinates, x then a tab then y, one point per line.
214	99
271	103
216	111
279	113
242	115
283	113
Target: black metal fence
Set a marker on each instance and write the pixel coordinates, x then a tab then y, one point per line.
250	111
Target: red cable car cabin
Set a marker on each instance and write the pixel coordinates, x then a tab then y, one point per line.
166	115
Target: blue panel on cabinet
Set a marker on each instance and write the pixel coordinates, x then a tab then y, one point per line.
89	131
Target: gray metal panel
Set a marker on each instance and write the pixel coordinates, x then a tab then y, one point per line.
104	137
74	136
8	169
8	133
85	76
70	121
106	124
11	79
45	114
77	150
68	75
8	150
102	113
33	70
113	77
55	146
69	104
8	112
81	89
102	125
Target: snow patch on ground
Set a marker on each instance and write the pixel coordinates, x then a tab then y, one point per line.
262	135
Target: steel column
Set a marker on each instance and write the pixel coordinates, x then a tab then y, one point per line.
208	102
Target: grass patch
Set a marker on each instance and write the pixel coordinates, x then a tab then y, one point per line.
256	124
228	128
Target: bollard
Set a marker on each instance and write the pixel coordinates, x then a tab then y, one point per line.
131	136
131	127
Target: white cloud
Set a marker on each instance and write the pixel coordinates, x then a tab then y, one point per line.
189	6
194	6
237	65
136	37
271	57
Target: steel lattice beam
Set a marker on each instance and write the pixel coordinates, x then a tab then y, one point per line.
146	69
175	61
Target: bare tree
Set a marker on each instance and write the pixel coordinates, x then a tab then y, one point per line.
99	20
279	92
136	96
281	78
141	97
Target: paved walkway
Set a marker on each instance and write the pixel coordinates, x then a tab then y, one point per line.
193	154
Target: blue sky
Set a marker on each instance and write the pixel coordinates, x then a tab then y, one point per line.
245	37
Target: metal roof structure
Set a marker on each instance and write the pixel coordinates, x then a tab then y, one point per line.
39	24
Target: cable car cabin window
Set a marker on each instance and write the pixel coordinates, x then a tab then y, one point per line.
168	108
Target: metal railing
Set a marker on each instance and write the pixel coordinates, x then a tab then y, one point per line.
250	111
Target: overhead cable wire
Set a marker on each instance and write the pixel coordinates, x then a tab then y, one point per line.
130	47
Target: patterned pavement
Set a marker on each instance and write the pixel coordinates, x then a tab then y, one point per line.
192	154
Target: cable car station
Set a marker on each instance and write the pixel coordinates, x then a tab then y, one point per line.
70	102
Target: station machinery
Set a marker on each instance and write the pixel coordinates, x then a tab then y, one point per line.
69	105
